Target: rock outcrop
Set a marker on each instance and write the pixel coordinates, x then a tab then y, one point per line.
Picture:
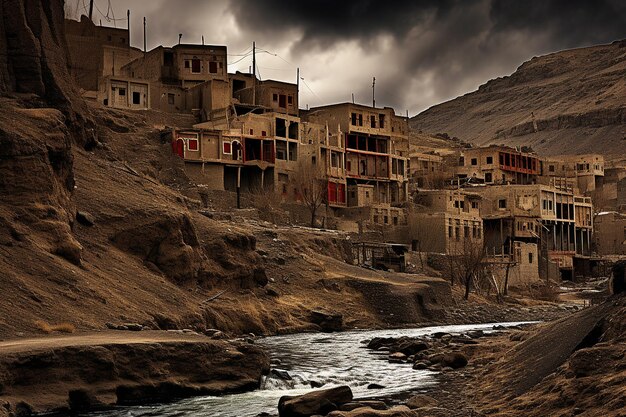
106	369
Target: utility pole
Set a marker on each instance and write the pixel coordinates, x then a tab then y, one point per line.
144	34
298	85
91	10
128	24
373	92
254	73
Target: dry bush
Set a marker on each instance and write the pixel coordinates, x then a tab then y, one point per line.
50	328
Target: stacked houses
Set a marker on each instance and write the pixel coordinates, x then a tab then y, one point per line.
533	216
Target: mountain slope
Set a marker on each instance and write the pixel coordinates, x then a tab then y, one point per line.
571	101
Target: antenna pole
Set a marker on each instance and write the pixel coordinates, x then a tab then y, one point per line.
144	34
128	24
90	10
373	92
254	73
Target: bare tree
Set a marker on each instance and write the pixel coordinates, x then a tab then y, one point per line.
466	260
310	186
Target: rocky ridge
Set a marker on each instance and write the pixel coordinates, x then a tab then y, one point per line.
570	100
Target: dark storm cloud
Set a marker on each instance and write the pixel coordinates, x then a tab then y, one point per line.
325	22
570	22
442	48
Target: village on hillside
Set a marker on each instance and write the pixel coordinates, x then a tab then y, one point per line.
180	235
525	218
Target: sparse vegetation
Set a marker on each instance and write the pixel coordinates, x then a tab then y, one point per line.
51	328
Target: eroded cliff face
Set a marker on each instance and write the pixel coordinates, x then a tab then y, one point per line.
41	117
566	102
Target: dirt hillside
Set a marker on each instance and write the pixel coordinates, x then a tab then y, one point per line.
571	101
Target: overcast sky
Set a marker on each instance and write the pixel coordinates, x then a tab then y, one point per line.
422	52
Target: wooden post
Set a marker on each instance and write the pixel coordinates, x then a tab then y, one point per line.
238	187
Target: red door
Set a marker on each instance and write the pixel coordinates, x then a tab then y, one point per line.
179	148
332	192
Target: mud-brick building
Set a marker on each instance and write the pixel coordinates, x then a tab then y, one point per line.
171	71
254	151
426	170
587	170
498	165
277	96
96	56
326	152
375	143
610	233
558	222
445	221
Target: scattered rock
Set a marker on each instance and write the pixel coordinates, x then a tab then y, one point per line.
411	347
420	365
454	360
397	357
420	401
282	374
328	321
317	402
271	292
375	386
84	218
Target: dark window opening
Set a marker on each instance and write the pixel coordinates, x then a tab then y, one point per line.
281	150
196	66
293	151
293	130
282	101
281	128
170	98
238	85
488	177
353	119
213	67
490	159
530	257
136	97
502	204
474	161
290	99
381	121
122	92
373	121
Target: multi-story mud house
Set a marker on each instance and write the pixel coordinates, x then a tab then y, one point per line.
557	222
376	146
426	170
587	170
96	56
173	71
498	165
445	221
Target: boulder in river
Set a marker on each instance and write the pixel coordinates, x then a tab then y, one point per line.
319	402
328	321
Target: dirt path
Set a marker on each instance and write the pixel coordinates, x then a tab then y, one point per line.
96	339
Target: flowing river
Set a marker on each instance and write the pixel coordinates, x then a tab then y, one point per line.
329	359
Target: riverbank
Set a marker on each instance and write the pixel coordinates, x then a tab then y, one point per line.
572	366
89	371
